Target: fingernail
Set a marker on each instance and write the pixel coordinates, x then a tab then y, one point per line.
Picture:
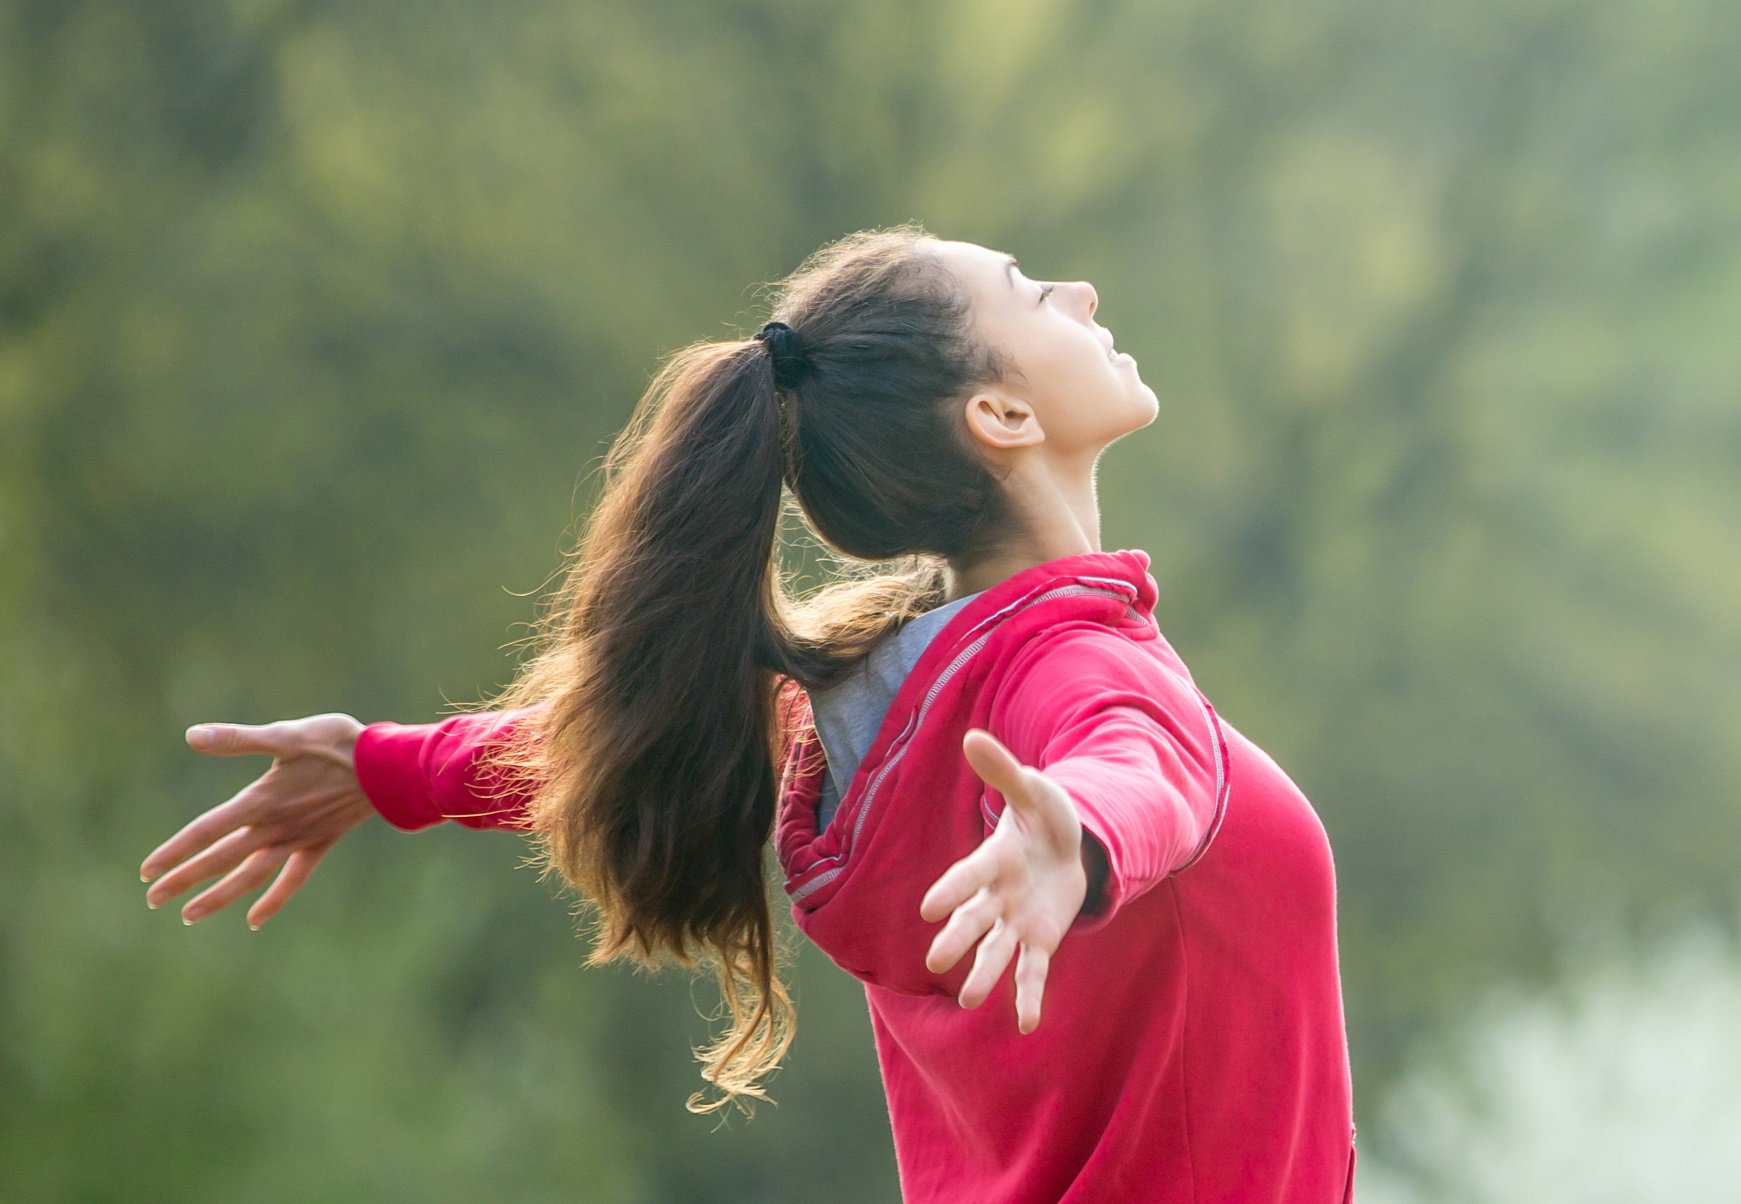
151	903
198	734
188	917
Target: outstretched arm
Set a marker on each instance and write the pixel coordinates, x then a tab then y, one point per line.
1114	770
329	773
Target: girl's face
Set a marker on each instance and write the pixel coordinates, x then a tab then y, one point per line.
1065	378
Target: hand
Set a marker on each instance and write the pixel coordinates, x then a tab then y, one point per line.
283	822
1017	893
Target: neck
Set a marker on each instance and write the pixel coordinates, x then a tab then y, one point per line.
1057	515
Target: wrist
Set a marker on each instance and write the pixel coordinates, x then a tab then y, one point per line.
337	739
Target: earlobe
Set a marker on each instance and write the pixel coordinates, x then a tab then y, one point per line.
1003	423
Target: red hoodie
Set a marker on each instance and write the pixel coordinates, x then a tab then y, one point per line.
1192	1044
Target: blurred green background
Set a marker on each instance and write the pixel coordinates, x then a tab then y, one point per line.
315	317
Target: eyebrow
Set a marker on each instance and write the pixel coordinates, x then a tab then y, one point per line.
1009	270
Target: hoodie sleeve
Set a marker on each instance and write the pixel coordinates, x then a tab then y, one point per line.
1137	747
420	774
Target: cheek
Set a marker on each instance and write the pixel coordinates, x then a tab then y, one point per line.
1076	367
1084	399
1093	401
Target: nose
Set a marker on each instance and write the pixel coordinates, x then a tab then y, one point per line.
1093	297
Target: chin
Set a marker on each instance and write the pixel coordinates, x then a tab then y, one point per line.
1145	409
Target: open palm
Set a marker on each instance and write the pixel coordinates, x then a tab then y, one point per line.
281	823
1018	892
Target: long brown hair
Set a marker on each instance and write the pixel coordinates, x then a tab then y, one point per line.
654	738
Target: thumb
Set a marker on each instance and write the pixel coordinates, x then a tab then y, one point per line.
239	739
996	765
1026	791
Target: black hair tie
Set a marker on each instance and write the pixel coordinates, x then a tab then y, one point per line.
786	350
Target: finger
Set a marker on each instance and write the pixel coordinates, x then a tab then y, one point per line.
996	765
989	964
1031	966
260	865
959	883
240	739
288	882
221	858
236	812
972	920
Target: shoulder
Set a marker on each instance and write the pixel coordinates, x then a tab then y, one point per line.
1072	657
1065	671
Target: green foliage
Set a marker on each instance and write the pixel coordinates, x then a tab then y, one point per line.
313	319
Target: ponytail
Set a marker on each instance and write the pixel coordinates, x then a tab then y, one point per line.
655	746
653	736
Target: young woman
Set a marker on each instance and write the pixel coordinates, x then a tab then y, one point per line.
994	753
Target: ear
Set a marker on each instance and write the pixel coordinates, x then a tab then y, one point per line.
1000	422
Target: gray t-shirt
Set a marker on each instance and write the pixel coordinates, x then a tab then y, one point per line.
847	716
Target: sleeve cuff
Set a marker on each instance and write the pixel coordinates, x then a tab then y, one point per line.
1112	888
389	769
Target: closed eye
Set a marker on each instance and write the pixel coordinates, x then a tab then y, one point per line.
1045	291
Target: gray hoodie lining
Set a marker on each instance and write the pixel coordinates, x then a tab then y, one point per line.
848	716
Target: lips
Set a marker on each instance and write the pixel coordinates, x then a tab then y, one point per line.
1113	354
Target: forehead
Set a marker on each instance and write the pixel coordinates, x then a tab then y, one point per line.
981	270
